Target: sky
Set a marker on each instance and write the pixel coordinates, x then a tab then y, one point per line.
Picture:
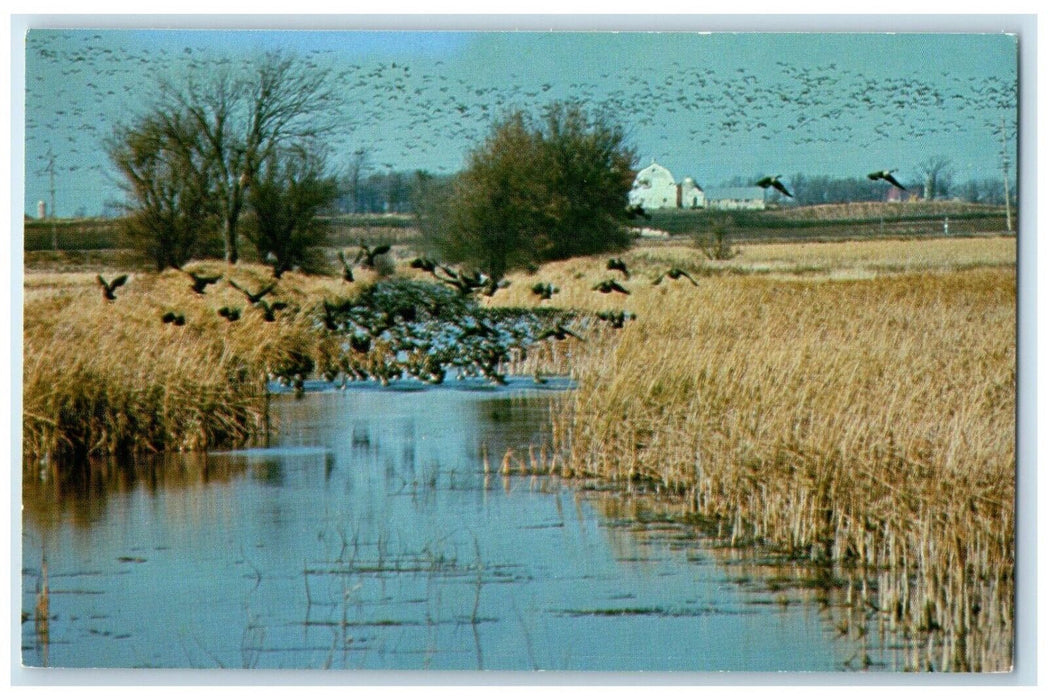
712	106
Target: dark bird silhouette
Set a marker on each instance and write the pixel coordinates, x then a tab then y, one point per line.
172	317
887	176
360	343
618	264
366	256
269	310
466	283
635	210
347	269
255	297
544	290
477	328
491	285
229	313
200	282
558	332
675	273
109	288
617	319
773	181
331	312
609	286
424	264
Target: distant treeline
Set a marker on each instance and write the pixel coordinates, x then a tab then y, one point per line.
398	192
384	193
824	189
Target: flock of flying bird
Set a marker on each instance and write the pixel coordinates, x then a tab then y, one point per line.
424	331
427	114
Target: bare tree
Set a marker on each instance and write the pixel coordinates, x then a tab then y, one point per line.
244	119
938	175
167	185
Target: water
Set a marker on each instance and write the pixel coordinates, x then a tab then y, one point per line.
370	537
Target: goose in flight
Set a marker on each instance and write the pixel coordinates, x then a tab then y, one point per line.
675	273
558	331
366	256
887	176
200	282
608	286
255	297
109	288
773	181
618	264
269	310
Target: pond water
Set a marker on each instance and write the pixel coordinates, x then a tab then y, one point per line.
370	536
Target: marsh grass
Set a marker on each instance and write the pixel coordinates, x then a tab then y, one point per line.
109	377
866	422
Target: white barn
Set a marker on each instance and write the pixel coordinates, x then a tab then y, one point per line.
655	188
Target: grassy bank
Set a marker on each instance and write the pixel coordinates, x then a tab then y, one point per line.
866	422
104	377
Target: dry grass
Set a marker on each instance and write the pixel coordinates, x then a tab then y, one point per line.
110	377
867	422
839	260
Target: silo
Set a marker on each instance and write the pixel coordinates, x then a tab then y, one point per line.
41	209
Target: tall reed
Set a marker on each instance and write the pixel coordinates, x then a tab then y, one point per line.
867	422
104	377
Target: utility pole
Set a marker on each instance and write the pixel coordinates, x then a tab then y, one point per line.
1005	163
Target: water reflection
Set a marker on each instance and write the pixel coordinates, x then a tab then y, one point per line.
379	532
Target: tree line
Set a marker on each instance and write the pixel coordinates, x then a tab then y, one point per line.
242	154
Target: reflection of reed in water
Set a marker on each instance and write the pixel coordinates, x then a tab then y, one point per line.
42	612
857	601
83	493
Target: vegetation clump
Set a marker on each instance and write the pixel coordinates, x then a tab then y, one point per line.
536	190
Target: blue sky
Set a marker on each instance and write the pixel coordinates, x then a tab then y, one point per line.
707	105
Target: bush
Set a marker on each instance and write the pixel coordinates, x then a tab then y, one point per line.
290	192
536	190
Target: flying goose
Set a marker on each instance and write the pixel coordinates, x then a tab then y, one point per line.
887	176
256	297
109	288
773	181
608	286
618	264
675	273
200	282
